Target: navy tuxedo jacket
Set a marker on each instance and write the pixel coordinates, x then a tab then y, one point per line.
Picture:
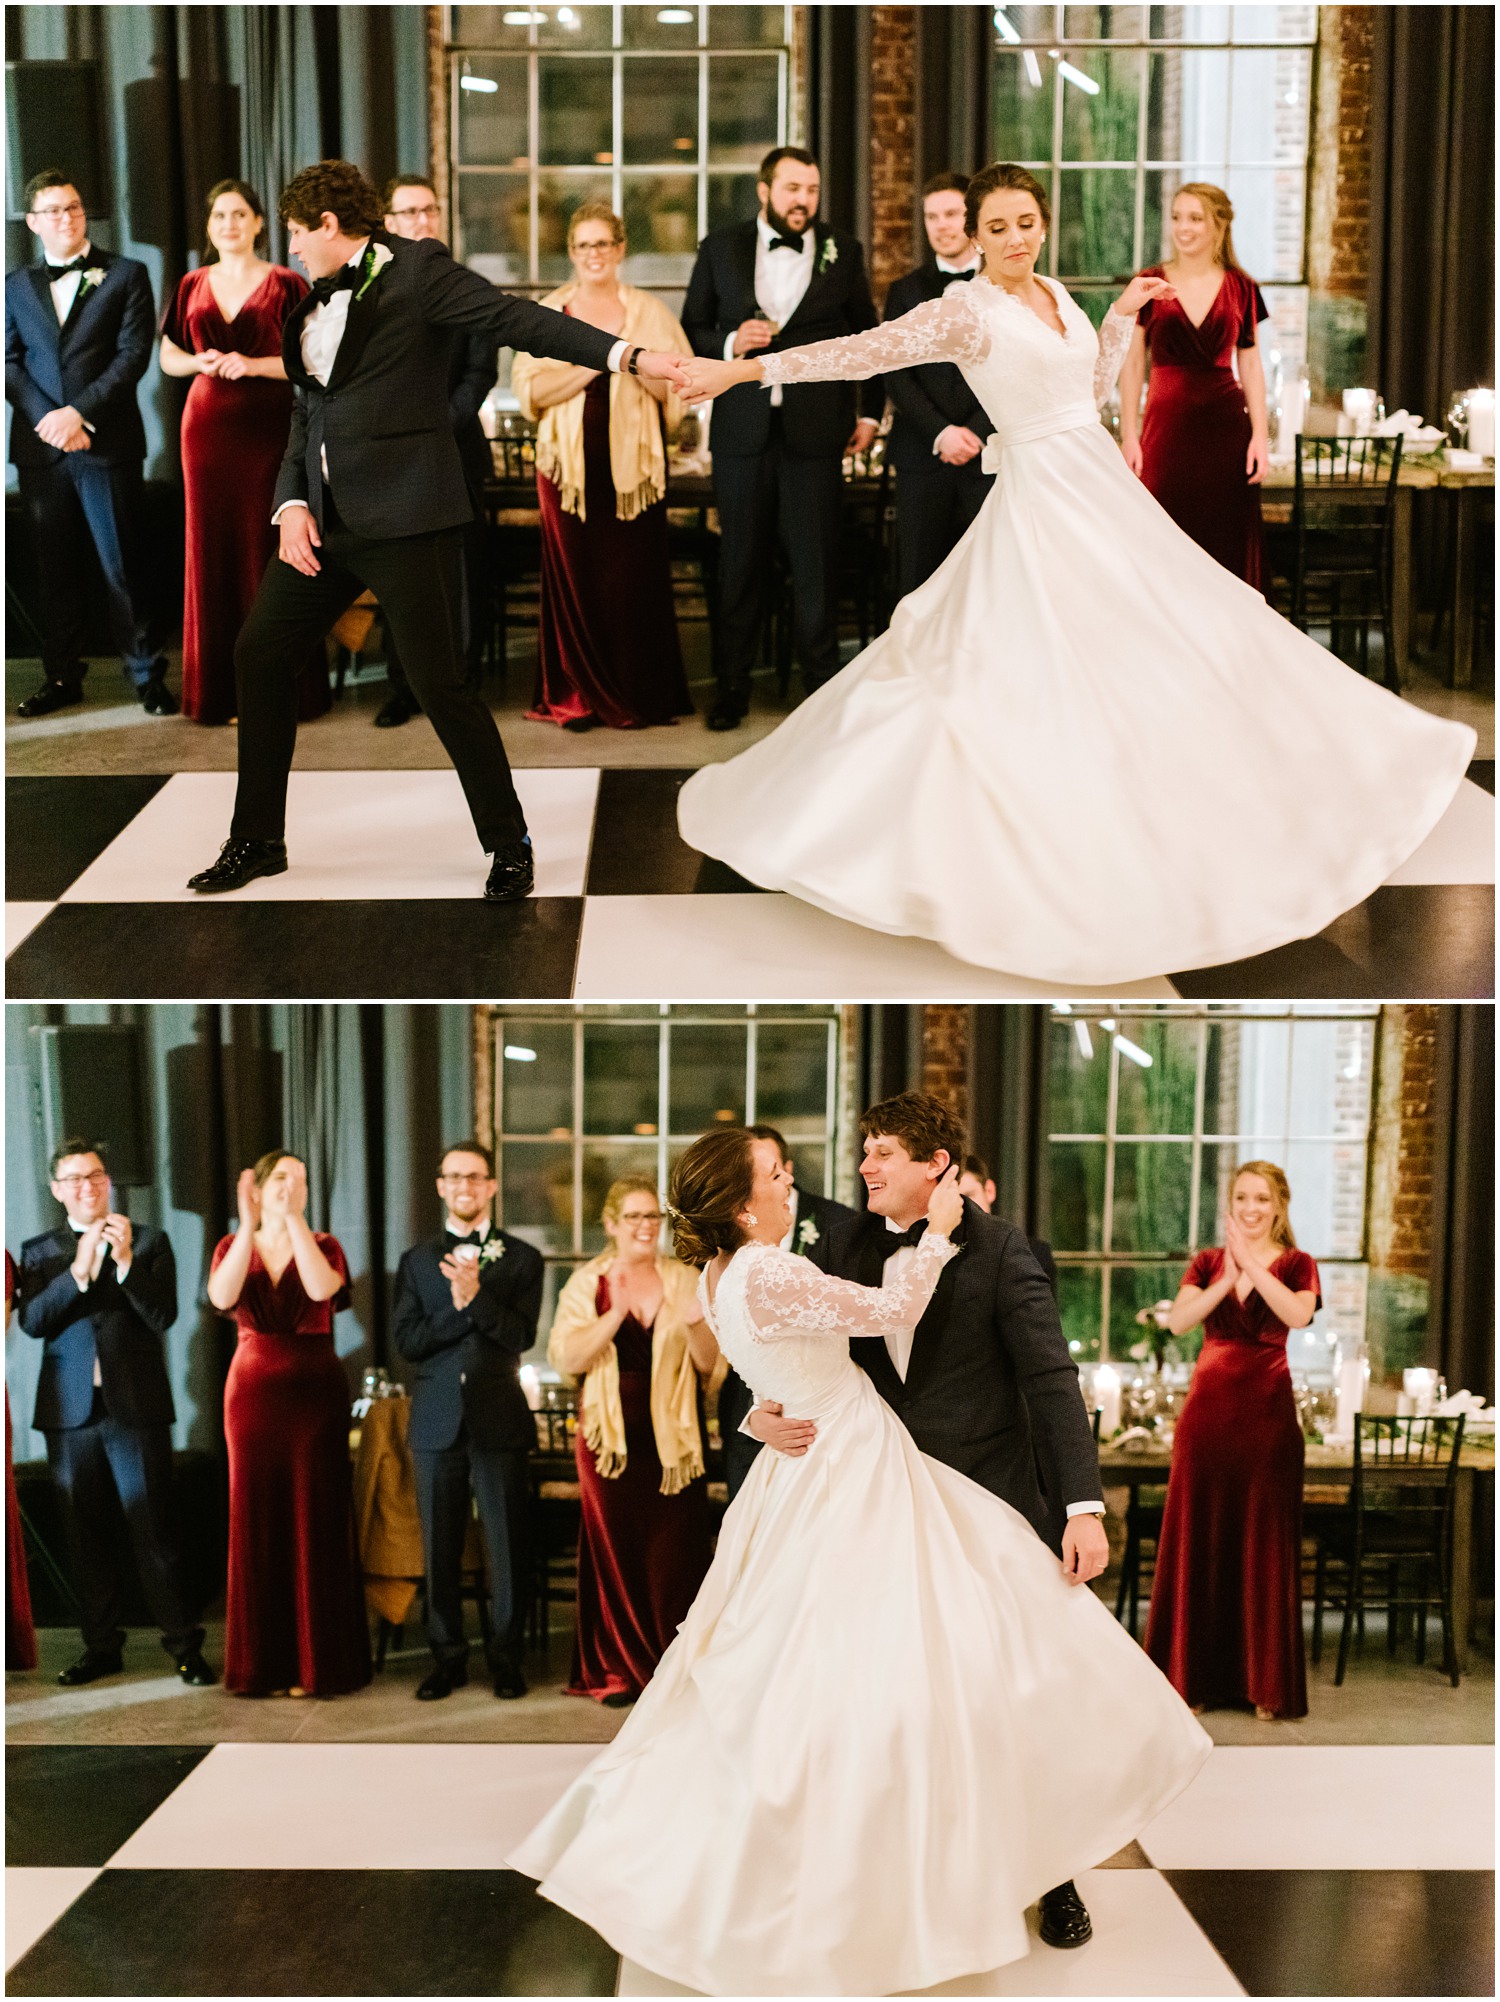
467	1365
932	396
990	1388
818	416
385	415
120	1324
93	360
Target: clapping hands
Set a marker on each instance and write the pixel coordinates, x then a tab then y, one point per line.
247	1195
461	1270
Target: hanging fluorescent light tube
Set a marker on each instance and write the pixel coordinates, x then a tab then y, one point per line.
1033	68
1085	1040
1134	1051
517	1053
1077	76
1004	25
484	83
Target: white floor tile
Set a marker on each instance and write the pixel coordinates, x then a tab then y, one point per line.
1145	1943
722	948
36	1899
1333	1807
21	920
354	1807
1461	848
359	835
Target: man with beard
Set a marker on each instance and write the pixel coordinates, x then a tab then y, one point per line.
780	281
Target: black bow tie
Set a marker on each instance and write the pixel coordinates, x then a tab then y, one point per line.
465	1237
56	271
913	1234
343	280
951	275
781	241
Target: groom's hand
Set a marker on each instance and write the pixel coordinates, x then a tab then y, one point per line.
663	368
791	1436
299	538
1085	1549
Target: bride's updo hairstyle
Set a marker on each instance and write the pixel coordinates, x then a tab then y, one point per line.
1003	174
711	1184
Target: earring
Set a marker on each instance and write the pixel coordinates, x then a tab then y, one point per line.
749	1221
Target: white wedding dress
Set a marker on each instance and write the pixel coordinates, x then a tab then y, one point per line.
1082	752
887	1724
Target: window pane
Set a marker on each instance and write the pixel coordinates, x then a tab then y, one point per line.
1077	1082
661	228
707	1077
1096	223
1252	1079
1328	1197
575	27
1269	105
494	214
743	104
1101	125
1214	1179
1104	24
660	28
620	1088
1269	205
1079	1294
536	1193
1152	1183
1187	108
1158	1099
1032	24
492	124
603	1165
1273	24
491	27
731	198
791	1077
1189	24
746	27
1316	1081
1021	111
536	1089
1075	1195
557	197
1132	1290
660	125
577	111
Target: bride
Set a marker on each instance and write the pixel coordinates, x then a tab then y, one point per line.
1082	752
888	1724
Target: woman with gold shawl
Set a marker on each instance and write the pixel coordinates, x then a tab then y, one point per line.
607	647
630	1325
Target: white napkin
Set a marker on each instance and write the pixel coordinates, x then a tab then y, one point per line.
1468	1402
1401	423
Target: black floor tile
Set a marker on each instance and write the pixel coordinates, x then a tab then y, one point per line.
637	849
1348	1932
315	1932
453	949
54	828
1410	941
1482	772
72	1806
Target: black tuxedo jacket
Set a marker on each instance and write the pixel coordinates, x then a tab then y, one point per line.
93	360
721	294
928	398
384	416
822	1213
471	377
467	1366
120	1324
990	1387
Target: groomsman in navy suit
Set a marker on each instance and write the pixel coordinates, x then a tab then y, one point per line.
466	1312
100	1293
79	329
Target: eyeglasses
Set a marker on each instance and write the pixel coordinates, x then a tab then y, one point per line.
428	209
72	208
82	1181
592	249
640	1216
457	1180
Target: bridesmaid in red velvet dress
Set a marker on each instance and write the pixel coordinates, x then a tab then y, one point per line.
20	1635
1204	447
295	1622
1226	1606
224	330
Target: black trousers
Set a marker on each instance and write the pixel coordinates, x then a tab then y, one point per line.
419	582
935	506
740	1450
92	1463
758	497
68	505
497	1477
473	639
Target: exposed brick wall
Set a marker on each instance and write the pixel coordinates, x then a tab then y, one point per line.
893	35
945	1057
1409	1246
1338	212
1347	250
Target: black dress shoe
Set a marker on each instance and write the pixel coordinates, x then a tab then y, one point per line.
618	1699
158	700
578	724
195	1671
396	710
441	1682
512	873
239	863
509	1681
89	1667
51	695
726	716
1065	1918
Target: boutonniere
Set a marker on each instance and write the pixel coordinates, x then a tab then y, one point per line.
493	1248
830	254
807	1233
376	258
94	275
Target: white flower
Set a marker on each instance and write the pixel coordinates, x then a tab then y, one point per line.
807	1233
493	1248
830	254
94	275
376	258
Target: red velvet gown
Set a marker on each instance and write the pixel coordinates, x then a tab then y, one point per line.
1197	429
1226	1606
20	1635
295	1612
607	644
642	1555
233	437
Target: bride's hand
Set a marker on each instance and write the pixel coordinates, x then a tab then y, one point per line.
947	1205
703	379
1139	291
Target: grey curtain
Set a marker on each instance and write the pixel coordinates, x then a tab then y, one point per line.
1461	1297
1007	1056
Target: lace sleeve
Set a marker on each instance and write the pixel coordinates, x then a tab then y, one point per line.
946	329
787	1295
1115	336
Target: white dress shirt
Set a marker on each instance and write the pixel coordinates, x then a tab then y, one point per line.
122	1272
479	1231
781	280
65	289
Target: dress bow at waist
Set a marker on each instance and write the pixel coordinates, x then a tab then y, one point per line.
1076	418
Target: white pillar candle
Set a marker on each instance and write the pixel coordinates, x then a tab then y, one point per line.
1107	1396
1482	422
1420	1386
1353	1376
1359	408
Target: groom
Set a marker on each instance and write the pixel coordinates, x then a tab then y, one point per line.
990	1387
371	496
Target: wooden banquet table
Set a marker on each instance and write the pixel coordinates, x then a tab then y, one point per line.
1333	1467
